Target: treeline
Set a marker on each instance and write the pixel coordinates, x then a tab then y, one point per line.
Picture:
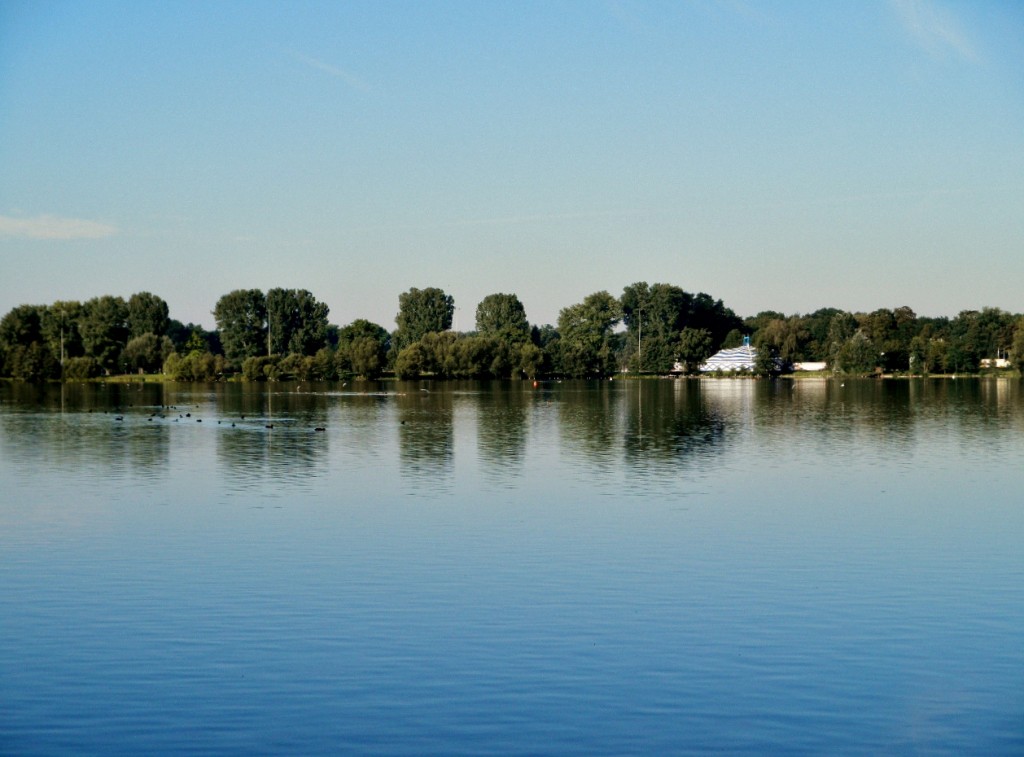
285	334
893	341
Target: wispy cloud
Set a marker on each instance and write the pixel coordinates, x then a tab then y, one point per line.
338	73
54	227
934	28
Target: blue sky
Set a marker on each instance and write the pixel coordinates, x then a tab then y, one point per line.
787	155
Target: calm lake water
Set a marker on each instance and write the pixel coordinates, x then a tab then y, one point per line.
624	567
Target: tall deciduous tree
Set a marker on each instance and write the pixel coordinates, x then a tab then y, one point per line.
1017	348
655	315
21	345
783	338
503	316
104	329
585	329
147	314
421	312
297	322
241	319
60	329
841	328
694	348
22	326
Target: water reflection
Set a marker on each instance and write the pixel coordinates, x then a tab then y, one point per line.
589	421
253	455
671	421
426	437
265	432
502	414
84	428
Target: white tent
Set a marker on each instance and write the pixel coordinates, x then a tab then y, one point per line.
735	359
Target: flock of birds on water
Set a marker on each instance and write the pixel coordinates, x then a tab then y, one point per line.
164	410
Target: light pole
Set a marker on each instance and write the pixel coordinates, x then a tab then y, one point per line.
639	336
62	344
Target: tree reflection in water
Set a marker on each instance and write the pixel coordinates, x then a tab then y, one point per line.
426	433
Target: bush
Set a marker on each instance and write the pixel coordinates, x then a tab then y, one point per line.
147	352
252	368
81	368
32	363
297	367
196	366
324	368
410	361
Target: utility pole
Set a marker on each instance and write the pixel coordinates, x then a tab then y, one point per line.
639	336
62	344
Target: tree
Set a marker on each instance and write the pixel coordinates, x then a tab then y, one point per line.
502	316
694	348
585	329
195	343
241	319
1017	348
366	357
992	332
147	314
439	347
817	326
654	316
531	360
857	355
22	326
766	361
733	339
782	338
32	363
104	329
708	313
841	328
59	327
420	312
147	353
891	332
362	328
917	355
80	368
184	336
411	361
297	322
325	366
975	335
478	357
197	366
362	348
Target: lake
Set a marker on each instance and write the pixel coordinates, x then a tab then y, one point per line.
594	568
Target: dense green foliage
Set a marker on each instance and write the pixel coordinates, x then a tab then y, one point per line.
891	341
296	322
503	316
422	312
658	328
147	314
242	321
